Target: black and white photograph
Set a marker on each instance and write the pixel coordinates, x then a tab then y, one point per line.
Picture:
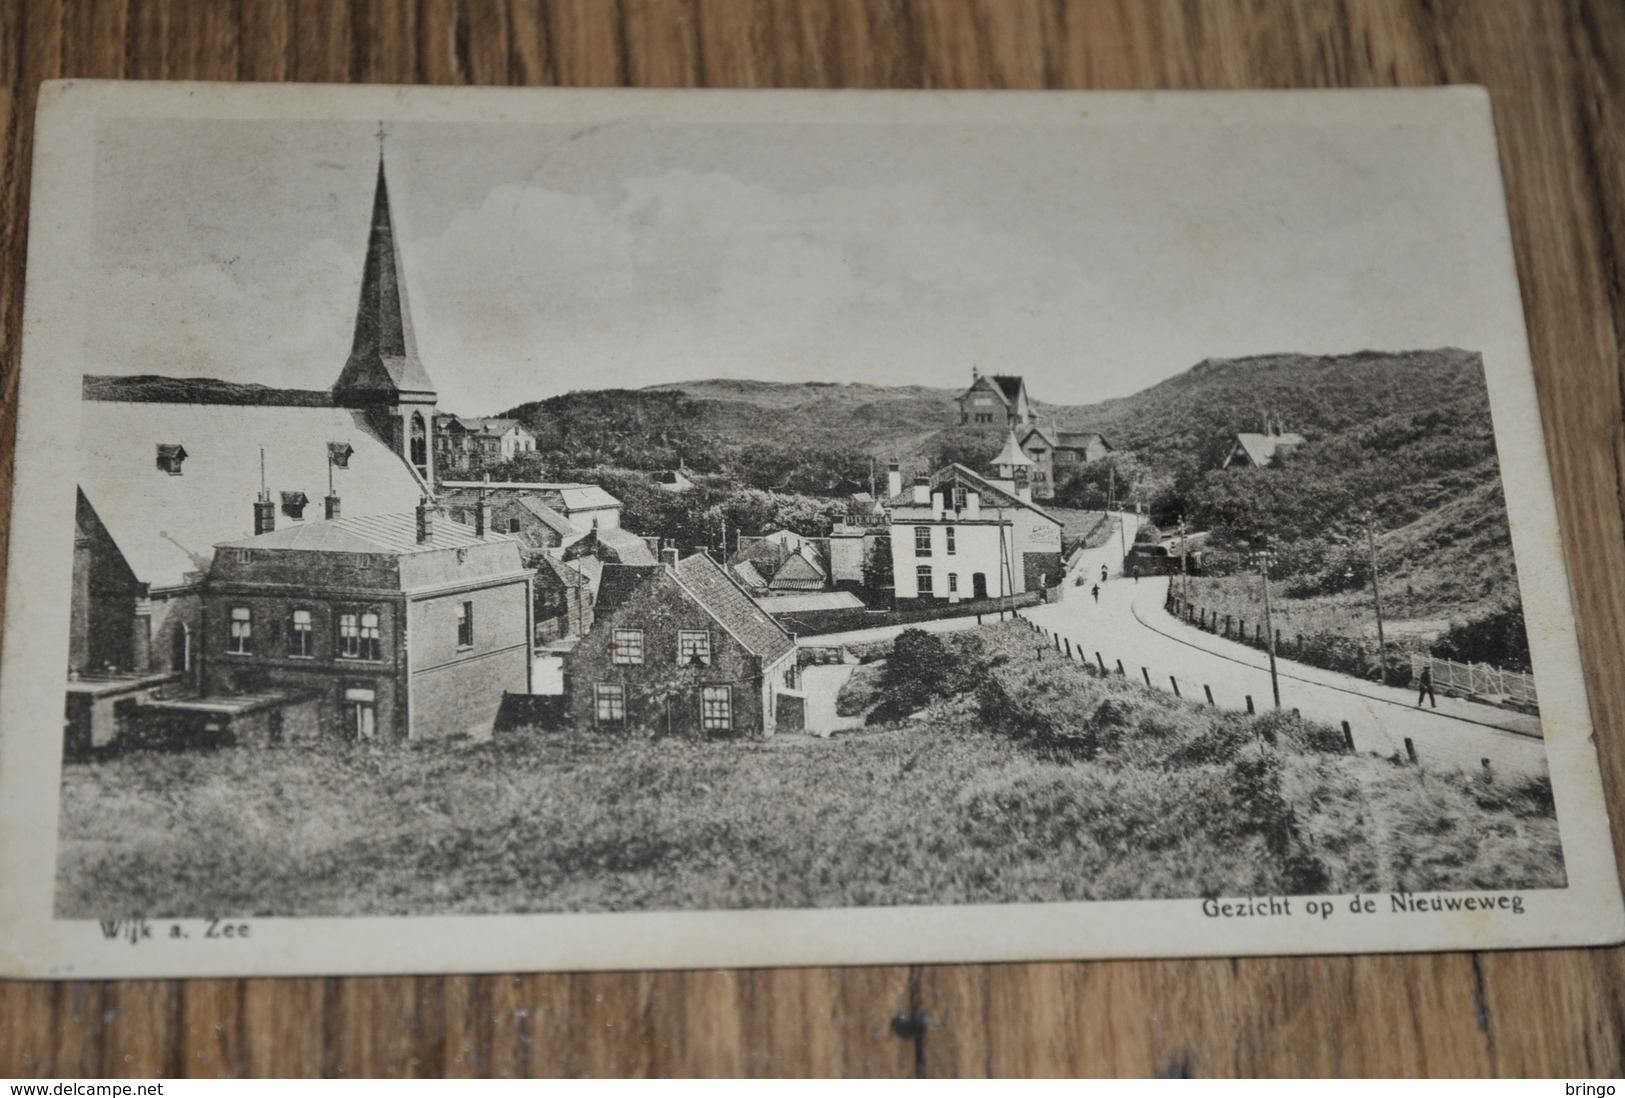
832	526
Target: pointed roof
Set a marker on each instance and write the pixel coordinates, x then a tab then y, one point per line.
1011	454
384	355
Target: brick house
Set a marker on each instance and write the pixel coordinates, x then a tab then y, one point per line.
678	648
401	626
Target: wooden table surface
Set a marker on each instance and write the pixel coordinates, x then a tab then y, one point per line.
1556	72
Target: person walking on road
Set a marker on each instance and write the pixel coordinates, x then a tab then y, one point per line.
1095	591
1103	573
1425	685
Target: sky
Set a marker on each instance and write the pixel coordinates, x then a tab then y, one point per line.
1095	259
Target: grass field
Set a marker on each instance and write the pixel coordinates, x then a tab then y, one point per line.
1038	781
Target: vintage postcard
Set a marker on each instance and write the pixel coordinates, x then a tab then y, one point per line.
551	529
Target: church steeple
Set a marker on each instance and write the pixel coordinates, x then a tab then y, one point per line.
384	374
383	363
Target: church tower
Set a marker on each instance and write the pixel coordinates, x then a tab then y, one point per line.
384	375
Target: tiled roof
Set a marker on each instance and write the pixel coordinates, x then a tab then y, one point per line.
1041	432
393	533
733	609
578	497
992	495
619	582
549	517
627	546
748	575
166	527
1260	449
1072	440
1009	385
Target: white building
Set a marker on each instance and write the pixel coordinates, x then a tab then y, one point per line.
957	535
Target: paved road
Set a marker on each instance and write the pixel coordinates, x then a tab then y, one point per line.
1129	624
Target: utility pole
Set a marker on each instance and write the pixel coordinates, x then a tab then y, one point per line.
1376	596
1265	558
1184	575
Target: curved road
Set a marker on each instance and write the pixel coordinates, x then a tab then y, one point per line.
1129	624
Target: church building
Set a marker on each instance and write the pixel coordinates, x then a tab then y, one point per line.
169	468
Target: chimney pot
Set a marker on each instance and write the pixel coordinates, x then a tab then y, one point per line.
264	514
425	521
332	507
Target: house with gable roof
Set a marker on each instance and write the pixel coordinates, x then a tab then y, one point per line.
400	626
679	648
1053	451
959	535
995	401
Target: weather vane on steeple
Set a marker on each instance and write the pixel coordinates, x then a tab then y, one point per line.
381	135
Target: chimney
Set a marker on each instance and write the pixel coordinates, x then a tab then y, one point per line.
894	480
332	510
425	521
973	505
922	491
264	514
482	517
668	557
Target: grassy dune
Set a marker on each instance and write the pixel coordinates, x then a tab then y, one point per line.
1036	781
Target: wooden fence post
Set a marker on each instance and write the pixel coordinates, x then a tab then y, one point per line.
1102	663
1208	690
1147	675
1175	681
1410	749
1120	670
1249	704
1348	737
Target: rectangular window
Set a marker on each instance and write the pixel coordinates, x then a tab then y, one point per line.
922	581
301	635
959	499
626	646
922	541
513	526
240	641
950	532
465	625
609	703
694	647
361	713
717	708
953	583
359	637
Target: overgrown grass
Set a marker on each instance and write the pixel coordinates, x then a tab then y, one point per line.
1087	787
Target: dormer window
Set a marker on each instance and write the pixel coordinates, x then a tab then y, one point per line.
339	454
293	504
170	456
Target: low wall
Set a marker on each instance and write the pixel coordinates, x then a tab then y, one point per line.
813	623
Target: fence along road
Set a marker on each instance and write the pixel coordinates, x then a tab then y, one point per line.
1129	624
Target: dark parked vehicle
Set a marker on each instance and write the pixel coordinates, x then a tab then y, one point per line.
1161	560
